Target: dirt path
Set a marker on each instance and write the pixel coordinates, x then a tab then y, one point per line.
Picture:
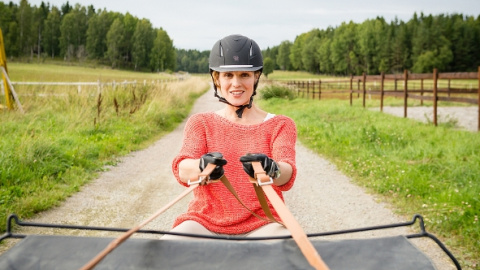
465	118
323	199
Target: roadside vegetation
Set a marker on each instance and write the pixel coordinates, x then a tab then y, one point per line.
419	168
65	139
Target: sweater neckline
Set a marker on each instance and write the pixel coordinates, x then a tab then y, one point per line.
226	121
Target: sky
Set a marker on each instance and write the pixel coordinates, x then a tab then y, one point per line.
197	24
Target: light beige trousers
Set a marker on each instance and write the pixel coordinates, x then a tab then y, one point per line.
190	226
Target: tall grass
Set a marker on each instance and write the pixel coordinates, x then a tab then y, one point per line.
282	75
419	168
63	141
23	72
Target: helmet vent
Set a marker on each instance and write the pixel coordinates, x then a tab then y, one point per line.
221	51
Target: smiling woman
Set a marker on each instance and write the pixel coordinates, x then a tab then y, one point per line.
232	138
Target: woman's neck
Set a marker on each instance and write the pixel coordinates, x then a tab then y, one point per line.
251	116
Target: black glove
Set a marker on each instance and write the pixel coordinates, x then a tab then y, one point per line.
269	165
214	158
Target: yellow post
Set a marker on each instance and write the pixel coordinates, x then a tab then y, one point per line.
3	63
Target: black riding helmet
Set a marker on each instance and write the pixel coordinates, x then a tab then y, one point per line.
235	53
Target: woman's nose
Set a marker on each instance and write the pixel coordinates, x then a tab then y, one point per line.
236	80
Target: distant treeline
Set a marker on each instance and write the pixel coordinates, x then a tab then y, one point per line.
447	42
78	33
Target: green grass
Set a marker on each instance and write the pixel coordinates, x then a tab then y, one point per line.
282	75
419	168
23	72
64	141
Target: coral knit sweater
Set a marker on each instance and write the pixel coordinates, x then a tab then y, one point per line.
213	205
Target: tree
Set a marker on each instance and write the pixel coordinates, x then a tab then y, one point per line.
323	51
9	28
272	54
400	48
39	16
98	27
6	16
309	53
192	61
25	22
343	49
372	37
129	24
296	52
114	42
142	43
283	56
435	58
73	33
162	55
51	33
431	48
268	66
66	8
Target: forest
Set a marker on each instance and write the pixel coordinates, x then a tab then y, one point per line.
79	33
448	42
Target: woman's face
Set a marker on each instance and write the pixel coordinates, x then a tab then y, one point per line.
237	86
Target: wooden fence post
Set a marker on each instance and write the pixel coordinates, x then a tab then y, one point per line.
313	89
435	95
421	91
351	89
358	88
448	88
364	88
405	92
308	89
319	89
382	93
303	89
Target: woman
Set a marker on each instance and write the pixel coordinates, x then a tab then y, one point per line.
231	138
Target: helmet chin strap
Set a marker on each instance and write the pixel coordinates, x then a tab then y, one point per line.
241	108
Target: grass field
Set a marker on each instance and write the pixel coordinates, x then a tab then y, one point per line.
24	72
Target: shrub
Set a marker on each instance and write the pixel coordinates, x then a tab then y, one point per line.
275	91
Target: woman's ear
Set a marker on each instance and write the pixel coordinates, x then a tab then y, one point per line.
215	76
257	77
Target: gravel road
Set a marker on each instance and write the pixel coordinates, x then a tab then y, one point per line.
323	199
465	118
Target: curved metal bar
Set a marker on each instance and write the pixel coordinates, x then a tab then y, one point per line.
423	233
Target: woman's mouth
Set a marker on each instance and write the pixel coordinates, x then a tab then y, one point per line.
236	93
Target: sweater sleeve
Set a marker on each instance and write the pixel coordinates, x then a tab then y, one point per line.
193	145
283	148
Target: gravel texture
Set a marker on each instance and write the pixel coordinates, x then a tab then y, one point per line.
322	199
465	118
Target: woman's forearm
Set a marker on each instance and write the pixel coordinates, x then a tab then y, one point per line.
285	174
188	169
